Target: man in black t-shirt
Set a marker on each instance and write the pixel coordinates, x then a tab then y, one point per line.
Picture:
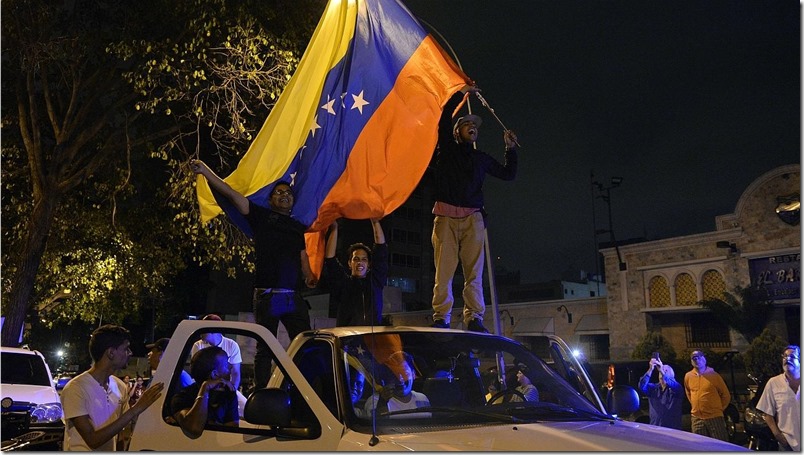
281	262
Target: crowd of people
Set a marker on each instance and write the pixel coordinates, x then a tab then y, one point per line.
709	397
99	406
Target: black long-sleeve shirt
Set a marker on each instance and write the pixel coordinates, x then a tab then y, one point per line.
359	298
460	169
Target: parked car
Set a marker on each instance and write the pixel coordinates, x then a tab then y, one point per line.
31	410
312	401
63	378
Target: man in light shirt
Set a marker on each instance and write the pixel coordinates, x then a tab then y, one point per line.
781	401
95	402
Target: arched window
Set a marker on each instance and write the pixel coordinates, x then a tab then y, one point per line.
659	292
686	293
713	285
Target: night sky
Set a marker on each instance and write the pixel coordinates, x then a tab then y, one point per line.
689	102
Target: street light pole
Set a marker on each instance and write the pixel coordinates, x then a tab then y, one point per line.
594	230
615	182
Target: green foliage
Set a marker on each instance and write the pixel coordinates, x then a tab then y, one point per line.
214	85
747	314
762	357
104	105
654	342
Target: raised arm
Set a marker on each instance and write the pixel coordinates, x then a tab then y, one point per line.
445	122
240	202
307	271
332	240
379	235
193	420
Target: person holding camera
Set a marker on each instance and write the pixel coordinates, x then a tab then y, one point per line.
780	402
211	399
664	397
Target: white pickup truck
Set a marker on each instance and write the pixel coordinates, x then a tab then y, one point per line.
313	403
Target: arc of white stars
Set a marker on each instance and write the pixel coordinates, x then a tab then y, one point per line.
359	102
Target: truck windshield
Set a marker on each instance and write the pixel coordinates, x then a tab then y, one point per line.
453	378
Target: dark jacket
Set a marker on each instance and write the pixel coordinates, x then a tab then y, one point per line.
459	169
665	405
358	298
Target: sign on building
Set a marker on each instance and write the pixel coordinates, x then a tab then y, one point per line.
777	277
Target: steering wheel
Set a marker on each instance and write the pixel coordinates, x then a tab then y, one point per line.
504	393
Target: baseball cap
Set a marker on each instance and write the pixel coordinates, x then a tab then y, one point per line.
211	317
160	344
468	118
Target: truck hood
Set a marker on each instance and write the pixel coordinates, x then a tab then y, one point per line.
548	436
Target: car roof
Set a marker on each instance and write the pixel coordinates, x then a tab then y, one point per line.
363	330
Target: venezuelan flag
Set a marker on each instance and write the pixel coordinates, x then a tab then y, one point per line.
355	127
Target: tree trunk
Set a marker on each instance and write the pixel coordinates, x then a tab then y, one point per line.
30	257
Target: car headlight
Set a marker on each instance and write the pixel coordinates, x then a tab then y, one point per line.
47	412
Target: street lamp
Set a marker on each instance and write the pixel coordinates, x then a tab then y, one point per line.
569	315
604	193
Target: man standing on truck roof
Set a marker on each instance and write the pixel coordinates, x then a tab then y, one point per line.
459	224
280	262
358	292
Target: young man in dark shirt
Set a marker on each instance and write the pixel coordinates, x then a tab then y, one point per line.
281	260
459	225
359	292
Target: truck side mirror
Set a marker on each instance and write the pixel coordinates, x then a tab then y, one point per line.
623	400
269	407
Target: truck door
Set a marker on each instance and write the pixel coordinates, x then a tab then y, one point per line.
157	429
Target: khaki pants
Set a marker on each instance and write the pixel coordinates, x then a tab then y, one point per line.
457	239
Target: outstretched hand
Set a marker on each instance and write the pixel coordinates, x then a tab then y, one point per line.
199	167
473	88
510	139
148	397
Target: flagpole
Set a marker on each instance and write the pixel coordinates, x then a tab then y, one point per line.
487	247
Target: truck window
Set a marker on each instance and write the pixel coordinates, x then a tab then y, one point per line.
315	361
247	342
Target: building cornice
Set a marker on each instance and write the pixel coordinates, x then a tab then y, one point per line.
676	242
